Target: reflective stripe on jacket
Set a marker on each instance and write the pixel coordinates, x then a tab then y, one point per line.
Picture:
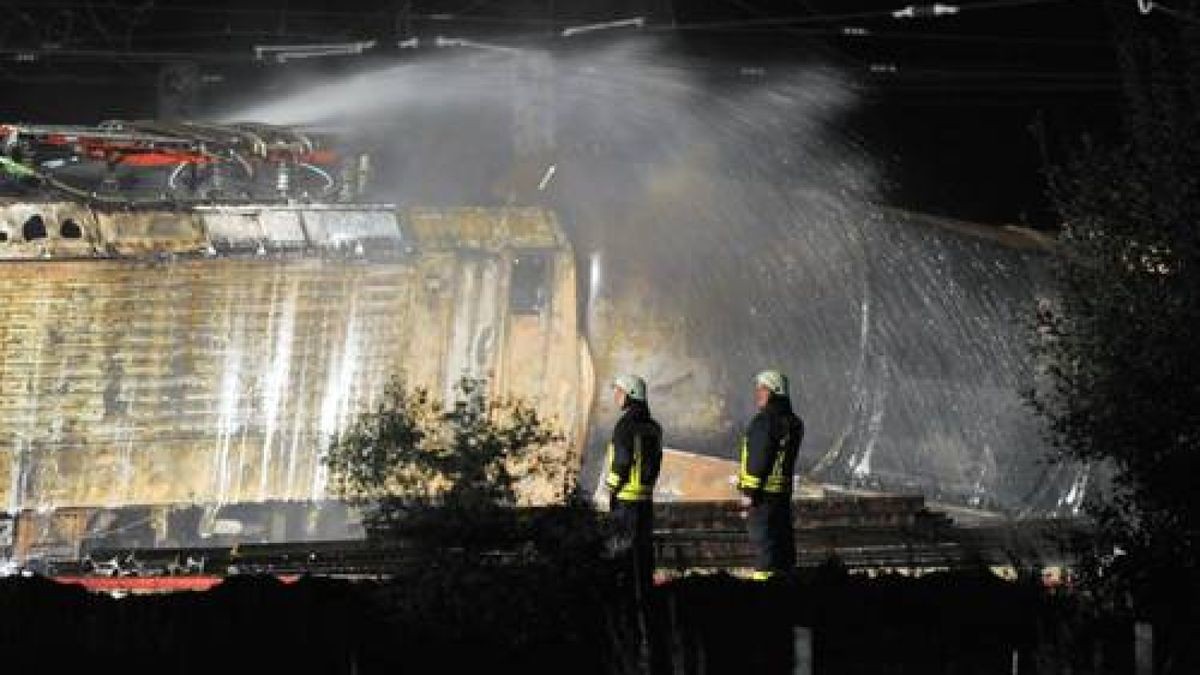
769	449
634	455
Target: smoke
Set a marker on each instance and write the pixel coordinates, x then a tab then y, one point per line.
461	125
724	222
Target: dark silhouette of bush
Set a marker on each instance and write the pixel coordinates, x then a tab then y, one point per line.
465	615
1119	344
445	479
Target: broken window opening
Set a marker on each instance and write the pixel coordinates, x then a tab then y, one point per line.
529	290
71	230
35	228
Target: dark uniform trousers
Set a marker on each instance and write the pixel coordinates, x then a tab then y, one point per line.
768	455
772	534
634	460
634	525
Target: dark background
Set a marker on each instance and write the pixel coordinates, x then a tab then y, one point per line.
962	111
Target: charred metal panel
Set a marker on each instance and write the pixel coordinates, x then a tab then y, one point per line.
50	534
215	379
538	347
150	231
691	477
531	351
47	229
489	229
232	229
344	228
904	339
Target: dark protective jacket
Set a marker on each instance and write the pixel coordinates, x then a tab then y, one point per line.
635	454
769	449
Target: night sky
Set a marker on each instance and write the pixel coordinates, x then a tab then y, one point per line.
962	111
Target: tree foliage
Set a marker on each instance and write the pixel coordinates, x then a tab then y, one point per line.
1120	343
422	470
443	491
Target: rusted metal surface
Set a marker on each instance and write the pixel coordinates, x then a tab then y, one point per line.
207	356
249	229
50	534
56	229
147	585
486	228
871	532
147	232
688	477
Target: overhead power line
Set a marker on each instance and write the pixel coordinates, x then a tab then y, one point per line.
1149	6
907	12
809	24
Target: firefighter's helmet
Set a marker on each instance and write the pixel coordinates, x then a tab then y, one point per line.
774	382
633	386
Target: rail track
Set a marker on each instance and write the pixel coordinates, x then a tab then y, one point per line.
890	533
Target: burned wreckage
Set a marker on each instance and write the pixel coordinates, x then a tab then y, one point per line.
190	312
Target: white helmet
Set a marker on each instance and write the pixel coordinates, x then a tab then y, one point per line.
633	386
774	381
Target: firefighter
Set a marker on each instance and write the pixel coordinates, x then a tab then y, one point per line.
634	458
768	459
